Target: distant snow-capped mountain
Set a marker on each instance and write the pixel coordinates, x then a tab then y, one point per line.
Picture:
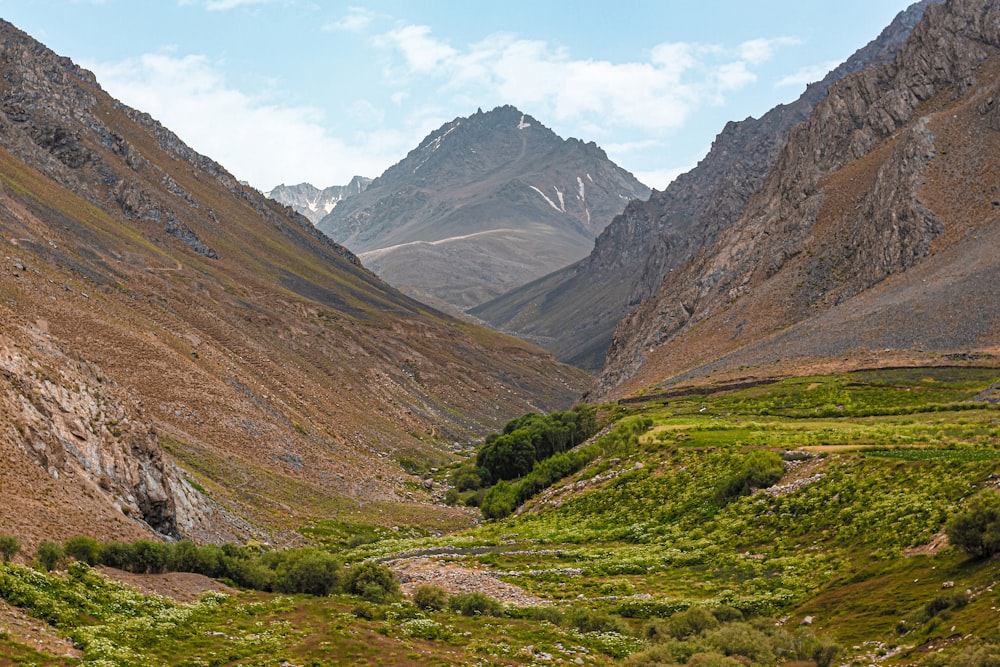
314	203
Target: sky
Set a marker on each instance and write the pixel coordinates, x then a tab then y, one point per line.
291	91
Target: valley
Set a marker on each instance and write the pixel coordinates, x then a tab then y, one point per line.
841	559
227	439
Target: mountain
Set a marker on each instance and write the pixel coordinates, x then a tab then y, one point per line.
651	238
314	203
180	354
482	205
871	241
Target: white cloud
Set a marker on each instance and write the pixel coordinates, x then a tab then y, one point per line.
357	19
758	51
422	52
656	95
223	5
808	74
659	179
259	141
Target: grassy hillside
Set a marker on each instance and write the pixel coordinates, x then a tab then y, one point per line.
658	552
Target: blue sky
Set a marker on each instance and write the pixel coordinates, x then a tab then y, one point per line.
286	91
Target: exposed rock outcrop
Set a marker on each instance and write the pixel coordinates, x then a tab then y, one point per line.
651	238
80	427
842	209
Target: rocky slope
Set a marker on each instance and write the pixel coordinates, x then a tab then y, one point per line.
482	205
653	237
157	316
314	203
873	238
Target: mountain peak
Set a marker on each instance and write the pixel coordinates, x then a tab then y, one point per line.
484	203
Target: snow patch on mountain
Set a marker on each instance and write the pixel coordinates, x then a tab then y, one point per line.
551	203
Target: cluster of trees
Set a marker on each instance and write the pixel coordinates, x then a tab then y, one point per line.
506	496
304	570
532	438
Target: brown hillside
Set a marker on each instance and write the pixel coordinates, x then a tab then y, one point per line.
282	377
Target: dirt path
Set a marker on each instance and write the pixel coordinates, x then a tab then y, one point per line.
415	572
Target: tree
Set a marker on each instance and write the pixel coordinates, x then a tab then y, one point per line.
430	598
308	571
49	554
84	549
499	501
976	530
372	581
9	546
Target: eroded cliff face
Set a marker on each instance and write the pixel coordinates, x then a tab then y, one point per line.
64	418
841	210
653	237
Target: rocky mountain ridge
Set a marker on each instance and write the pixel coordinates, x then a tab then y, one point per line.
238	347
483	204
862	202
651	238
315	203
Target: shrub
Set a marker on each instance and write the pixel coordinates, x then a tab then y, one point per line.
726	614
499	501
184	557
741	639
668	654
692	621
759	469
148	556
373	582
586	620
49	554
84	549
117	555
977	529
475	604
713	660
308	571
430	598
9	547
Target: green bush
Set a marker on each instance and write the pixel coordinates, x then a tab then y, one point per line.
49	554
430	598
976	530
759	469
9	547
373	582
475	604
664	655
500	501
692	621
308	571
184	557
587	620
742	639
149	557
84	549
117	555
713	660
